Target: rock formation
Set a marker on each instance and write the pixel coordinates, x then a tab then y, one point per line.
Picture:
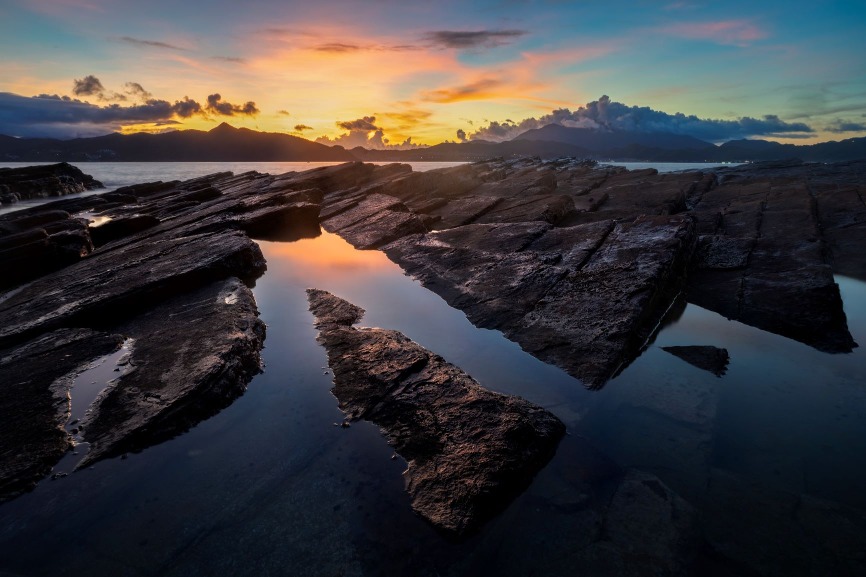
469	450
712	359
43	181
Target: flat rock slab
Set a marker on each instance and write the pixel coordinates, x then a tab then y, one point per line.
191	357
470	450
712	359
585	297
34	401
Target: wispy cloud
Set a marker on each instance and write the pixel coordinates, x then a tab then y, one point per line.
463	39
232	59
150	43
482	89
727	32
302	127
840	126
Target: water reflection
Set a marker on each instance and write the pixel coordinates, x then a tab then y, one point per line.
270	486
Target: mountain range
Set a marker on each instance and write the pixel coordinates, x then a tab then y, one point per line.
228	144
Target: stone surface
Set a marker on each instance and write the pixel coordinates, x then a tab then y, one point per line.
192	356
469	450
712	359
43	181
164	272
33	408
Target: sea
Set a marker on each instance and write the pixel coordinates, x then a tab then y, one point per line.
270	486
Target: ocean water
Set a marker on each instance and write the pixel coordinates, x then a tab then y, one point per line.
270	486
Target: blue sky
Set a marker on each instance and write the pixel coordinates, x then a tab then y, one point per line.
401	73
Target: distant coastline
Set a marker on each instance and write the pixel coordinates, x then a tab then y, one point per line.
228	144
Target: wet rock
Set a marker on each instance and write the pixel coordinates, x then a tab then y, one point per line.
43	181
120	227
112	285
34	404
192	356
712	359
469	450
585	298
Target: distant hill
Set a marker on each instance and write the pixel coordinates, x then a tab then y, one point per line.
227	144
221	144
608	140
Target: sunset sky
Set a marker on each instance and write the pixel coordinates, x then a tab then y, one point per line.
381	72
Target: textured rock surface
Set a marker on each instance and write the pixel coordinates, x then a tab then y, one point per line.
34	407
712	359
520	244
164	272
43	181
193	355
469	450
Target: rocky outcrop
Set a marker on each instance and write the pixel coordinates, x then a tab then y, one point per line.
469	450
34	407
712	359
43	181
192	356
167	271
578	262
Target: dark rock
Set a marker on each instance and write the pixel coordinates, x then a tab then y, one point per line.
191	357
112	285
43	181
34	401
470	451
712	359
120	227
585	298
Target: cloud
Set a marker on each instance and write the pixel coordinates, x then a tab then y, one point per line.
839	126
364	132
302	127
150	43
283	112
462	40
136	90
366	124
87	86
740	33
479	90
604	114
337	47
216	105
461	135
232	59
61	116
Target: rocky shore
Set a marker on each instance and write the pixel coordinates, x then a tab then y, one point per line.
43	181
578	263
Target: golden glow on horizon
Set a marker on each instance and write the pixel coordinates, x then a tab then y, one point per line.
329	255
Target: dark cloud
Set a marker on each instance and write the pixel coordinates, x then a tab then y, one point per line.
150	43
337	47
186	107
216	105
302	127
136	90
232	59
603	114
364	132
60	116
366	124
461	135
472	39
88	86
840	126
283	112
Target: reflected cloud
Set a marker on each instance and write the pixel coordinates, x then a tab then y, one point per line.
328	255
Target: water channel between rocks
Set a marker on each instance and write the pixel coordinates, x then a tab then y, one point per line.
271	486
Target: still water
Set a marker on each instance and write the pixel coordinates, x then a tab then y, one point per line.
271	487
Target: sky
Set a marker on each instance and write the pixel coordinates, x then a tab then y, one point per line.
402	73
